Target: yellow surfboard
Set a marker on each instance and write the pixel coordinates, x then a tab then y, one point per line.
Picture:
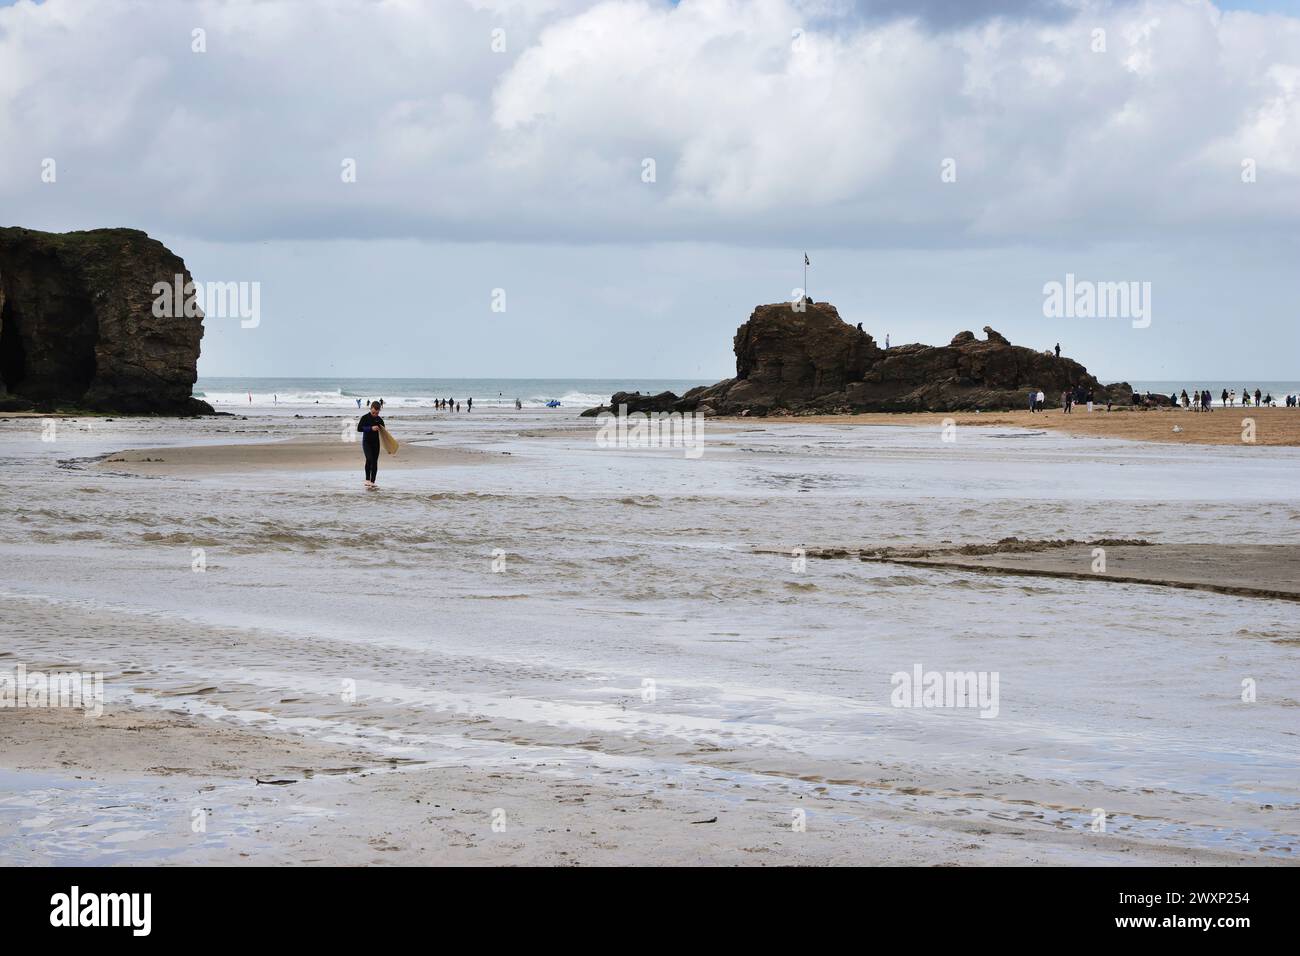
387	440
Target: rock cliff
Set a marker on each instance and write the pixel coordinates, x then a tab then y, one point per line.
77	326
813	362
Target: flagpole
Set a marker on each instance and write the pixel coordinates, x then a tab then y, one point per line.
805	275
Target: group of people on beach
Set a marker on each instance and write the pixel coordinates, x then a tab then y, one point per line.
1078	395
451	405
1229	398
1200	399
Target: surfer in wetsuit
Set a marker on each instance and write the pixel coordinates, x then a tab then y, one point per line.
369	426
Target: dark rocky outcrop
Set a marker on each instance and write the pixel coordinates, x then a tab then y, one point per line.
812	362
77	327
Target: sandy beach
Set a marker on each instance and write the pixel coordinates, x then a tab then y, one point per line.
1223	426
527	649
294	455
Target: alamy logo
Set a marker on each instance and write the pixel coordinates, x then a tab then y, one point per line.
83	691
938	690
646	430
103	909
215	300
1083	299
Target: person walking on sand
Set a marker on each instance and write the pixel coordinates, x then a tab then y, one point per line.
469	404
369	426
1042	400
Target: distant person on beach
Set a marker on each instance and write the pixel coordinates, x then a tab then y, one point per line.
1058	349
469	404
1223	399
458	406
358	404
1257	398
518	405
369	426
1041	399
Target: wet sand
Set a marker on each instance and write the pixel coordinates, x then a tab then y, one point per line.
1265	571
302	454
501	626
221	795
1223	426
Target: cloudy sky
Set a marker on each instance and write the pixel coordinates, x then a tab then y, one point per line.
636	175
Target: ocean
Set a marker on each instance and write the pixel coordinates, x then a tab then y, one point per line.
579	393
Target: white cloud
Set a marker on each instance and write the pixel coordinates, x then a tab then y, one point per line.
842	134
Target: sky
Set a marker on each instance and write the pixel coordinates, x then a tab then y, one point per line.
563	188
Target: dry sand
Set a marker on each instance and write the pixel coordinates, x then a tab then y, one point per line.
1223	426
299	454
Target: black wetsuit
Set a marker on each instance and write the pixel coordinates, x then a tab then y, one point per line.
370	443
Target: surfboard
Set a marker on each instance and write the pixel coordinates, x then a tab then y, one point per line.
387	440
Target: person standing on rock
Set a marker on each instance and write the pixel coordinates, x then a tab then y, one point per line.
1058	349
369	426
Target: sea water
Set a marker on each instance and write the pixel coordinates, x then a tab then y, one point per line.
227	394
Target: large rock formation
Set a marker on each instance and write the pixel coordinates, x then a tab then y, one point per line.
812	362
77	326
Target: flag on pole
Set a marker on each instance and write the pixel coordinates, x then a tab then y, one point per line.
805	259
